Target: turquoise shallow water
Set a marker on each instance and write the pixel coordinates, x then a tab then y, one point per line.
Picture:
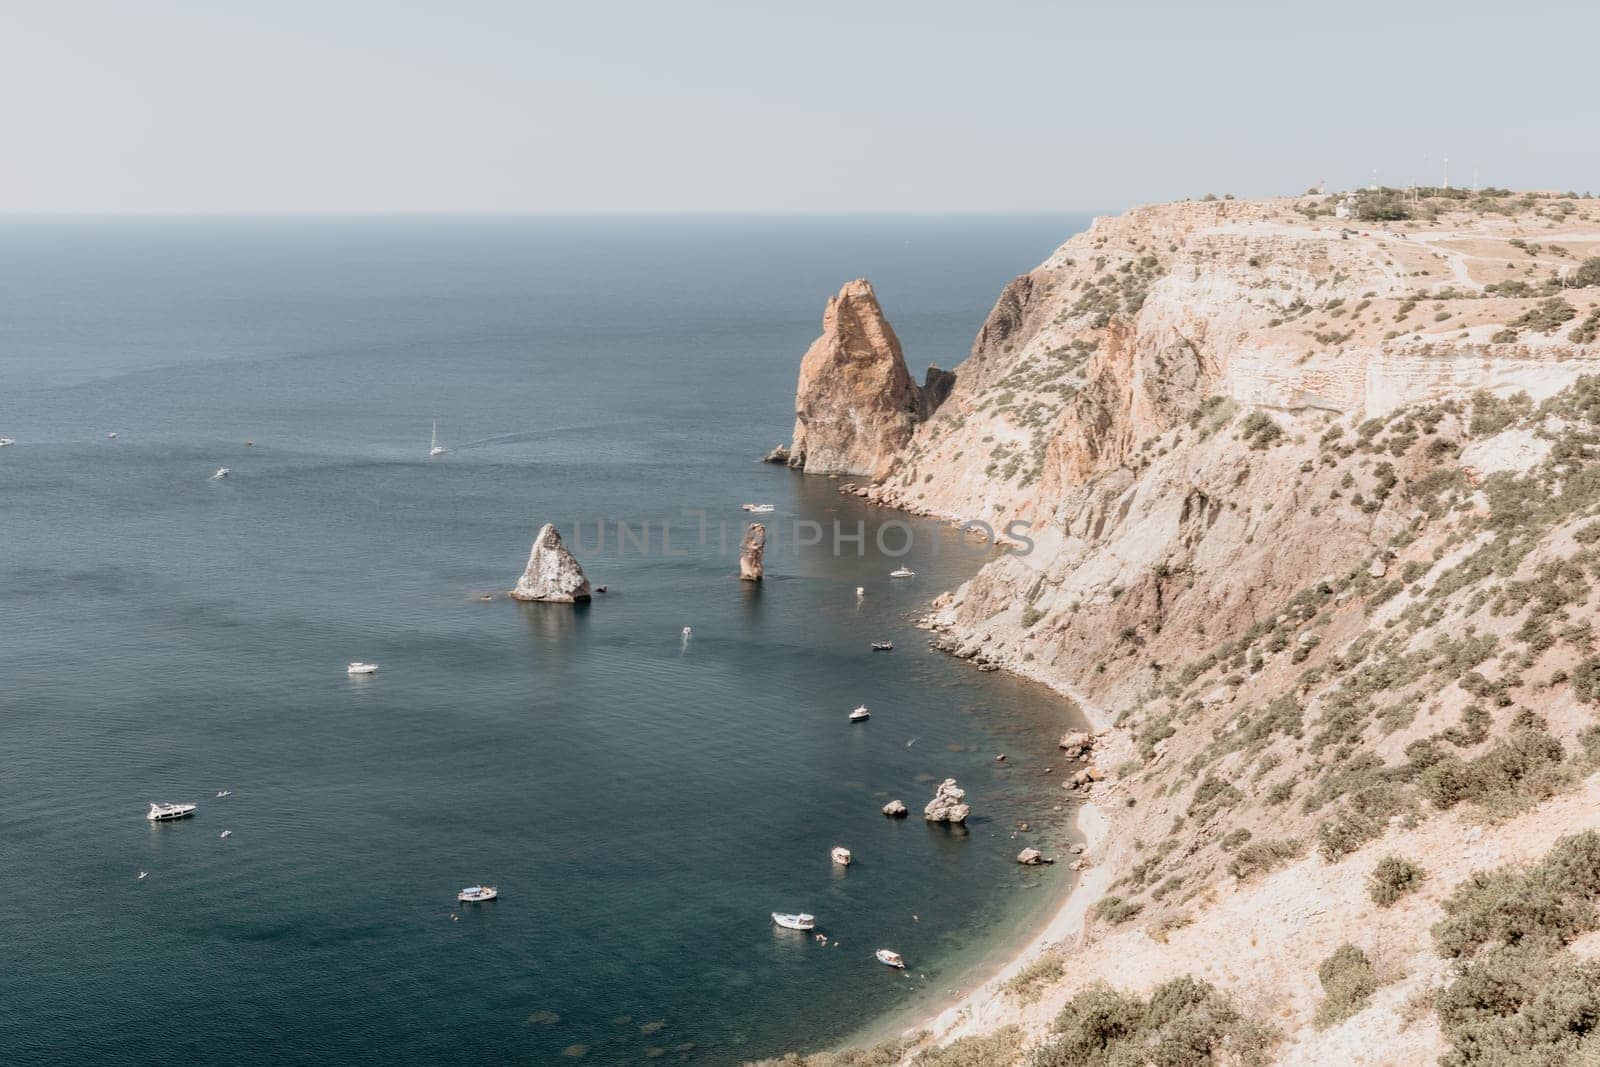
643	804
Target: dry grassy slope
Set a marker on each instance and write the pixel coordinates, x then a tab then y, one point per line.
1293	538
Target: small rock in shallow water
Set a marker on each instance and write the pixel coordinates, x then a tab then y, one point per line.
895	809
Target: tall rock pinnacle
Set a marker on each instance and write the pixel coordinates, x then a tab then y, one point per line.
552	573
856	405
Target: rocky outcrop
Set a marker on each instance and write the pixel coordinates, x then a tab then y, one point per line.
948	804
896	809
1077	744
856	405
1032	857
779	454
936	388
751	553
552	573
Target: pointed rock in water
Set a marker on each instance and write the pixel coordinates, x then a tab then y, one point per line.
947	804
552	574
780	454
856	405
752	551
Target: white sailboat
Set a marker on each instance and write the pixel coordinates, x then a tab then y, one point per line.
436	449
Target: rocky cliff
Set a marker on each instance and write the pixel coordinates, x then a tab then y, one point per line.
1312	507
857	406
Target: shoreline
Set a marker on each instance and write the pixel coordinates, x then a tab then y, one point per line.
985	1006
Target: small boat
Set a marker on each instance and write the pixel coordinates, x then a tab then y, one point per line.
226	834
436	449
222	472
142	876
841	855
758	509
688	632
6	441
475	894
796	921
112	436
883	646
361	668
224	793
168	812
861	714
890	959
486	597
903	572
861	591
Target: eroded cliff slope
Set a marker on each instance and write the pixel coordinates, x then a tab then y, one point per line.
1314	506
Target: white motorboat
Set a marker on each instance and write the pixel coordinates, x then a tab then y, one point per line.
225	834
841	855
436	449
883	646
224	793
168	812
890	959
861	714
222	472
758	509
861	591
112	436
796	921
475	894
688	632
903	572
362	668
6	441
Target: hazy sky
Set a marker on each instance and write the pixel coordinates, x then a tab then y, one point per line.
492	105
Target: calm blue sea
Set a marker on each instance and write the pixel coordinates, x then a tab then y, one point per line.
643	803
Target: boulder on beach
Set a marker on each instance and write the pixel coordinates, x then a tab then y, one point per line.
895	809
751	553
948	804
1077	743
552	573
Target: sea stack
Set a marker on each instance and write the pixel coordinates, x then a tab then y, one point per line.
856	405
948	804
751	552
552	574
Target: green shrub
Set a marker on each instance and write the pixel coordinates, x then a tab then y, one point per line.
1185	1023
1259	429
1548	903
1116	911
982	1050
1520	1007
1393	878
1348	982
1258	857
1028	983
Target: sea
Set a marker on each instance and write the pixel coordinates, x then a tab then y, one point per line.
642	800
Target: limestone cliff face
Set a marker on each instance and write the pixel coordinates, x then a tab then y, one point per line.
856	405
552	574
1305	505
1108	396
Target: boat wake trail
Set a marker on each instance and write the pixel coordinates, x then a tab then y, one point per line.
516	438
